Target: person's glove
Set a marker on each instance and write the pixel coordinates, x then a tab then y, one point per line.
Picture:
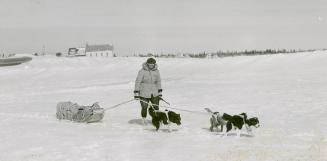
160	92
136	95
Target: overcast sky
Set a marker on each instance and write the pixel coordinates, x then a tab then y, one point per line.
143	26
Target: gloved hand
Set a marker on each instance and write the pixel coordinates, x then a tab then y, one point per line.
160	92
136	95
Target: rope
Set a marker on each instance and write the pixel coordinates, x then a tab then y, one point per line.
168	107
179	109
115	106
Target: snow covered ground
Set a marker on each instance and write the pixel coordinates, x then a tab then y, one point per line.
287	92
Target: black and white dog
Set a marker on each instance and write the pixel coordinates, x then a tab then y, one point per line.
164	117
232	121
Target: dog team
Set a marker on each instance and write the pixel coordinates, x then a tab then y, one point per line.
149	92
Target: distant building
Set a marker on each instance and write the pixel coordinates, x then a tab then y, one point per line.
72	51
104	50
80	52
76	52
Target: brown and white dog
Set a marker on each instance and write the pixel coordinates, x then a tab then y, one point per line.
232	121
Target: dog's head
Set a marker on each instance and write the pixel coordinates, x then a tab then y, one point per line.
174	117
254	121
152	112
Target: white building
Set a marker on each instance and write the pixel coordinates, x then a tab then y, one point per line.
80	52
104	50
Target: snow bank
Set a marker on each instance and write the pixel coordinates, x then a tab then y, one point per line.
287	93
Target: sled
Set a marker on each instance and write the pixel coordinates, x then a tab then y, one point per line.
74	112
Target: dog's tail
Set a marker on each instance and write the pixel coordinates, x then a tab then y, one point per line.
208	110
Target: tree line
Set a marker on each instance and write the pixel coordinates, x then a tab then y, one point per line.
221	54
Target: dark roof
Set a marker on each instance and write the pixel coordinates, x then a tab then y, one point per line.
104	47
72	49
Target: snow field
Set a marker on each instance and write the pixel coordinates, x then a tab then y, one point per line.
287	93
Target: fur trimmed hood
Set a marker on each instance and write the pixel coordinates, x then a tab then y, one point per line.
145	67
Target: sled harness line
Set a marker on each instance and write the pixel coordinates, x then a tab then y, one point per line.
115	106
168	107
179	109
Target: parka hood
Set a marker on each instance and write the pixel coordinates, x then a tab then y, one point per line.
145	67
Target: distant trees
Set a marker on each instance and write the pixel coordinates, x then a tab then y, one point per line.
222	54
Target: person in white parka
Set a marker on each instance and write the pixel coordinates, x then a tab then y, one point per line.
148	86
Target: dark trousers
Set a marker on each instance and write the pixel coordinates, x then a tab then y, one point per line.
153	100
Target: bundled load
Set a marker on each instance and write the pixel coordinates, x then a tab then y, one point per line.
74	112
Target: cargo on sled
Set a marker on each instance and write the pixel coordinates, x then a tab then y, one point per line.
74	112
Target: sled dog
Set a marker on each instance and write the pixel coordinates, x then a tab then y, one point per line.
232	122
164	117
